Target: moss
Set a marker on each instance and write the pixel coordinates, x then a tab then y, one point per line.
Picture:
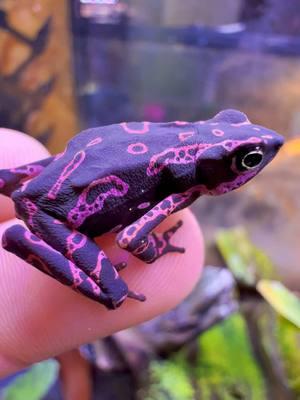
170	380
227	368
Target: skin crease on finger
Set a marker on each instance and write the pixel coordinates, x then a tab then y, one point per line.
41	318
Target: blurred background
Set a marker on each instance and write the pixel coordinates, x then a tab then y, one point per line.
66	65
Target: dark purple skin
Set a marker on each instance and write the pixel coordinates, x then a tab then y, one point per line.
125	178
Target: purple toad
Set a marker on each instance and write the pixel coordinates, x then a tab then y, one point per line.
125	178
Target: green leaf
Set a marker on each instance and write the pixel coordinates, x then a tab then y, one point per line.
288	339
34	384
277	341
247	262
281	299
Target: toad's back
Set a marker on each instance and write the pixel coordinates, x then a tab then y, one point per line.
102	180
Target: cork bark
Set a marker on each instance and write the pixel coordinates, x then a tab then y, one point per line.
36	77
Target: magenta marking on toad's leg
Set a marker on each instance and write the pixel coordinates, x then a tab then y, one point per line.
75	241
96	273
152	218
30	210
84	253
129	129
76	272
147	246
28	170
79	277
68	170
30	237
98	270
83	209
11	179
48	260
36	241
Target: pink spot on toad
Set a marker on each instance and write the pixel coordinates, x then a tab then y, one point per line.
2	183
137	148
247	122
185	135
180	123
143	205
267	137
94	142
218	132
128	129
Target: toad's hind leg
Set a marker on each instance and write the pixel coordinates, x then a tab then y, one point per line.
36	252
11	179
81	251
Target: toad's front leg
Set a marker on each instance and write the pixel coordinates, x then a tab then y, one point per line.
69	256
138	239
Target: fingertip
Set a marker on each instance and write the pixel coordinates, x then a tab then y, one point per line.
18	148
75	319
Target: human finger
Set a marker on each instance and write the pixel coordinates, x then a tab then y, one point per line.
41	318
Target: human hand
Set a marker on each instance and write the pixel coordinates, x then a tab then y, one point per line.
41	318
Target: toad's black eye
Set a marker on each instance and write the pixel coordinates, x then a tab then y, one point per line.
250	160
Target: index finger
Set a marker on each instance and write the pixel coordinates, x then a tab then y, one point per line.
16	149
